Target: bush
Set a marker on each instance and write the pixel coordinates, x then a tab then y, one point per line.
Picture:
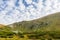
6	34
20	35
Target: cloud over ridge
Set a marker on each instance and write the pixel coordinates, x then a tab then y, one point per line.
20	10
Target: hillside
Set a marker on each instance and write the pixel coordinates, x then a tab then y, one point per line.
1	26
4	28
47	23
46	28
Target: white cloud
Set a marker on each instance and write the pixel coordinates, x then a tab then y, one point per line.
28	1
22	13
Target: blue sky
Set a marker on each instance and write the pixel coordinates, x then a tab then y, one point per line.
24	10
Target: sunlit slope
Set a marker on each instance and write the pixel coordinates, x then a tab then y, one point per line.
47	23
1	26
4	28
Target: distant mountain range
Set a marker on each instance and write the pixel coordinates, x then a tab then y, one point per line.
47	23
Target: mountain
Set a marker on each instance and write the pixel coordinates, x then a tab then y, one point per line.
47	27
47	23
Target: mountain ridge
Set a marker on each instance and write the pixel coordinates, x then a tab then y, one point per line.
47	23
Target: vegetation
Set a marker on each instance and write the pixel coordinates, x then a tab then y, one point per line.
40	29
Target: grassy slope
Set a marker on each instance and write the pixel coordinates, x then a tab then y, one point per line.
1	26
